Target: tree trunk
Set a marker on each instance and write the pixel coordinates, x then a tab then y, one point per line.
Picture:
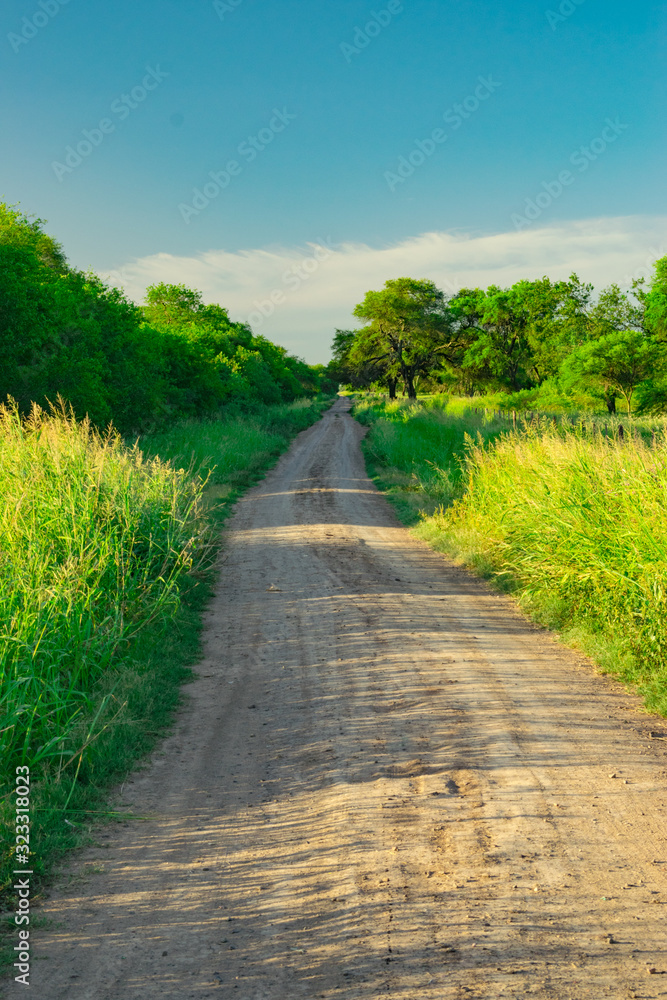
391	384
410	386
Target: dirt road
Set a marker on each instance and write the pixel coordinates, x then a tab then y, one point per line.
386	784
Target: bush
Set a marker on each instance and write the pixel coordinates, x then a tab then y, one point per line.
65	333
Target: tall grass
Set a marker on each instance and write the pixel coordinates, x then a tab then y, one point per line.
93	542
570	517
413	449
576	525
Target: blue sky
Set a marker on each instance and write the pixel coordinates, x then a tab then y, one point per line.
535	83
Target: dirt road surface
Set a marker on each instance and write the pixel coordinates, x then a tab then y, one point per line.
385	784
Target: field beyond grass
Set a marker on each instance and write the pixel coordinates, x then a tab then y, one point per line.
569	517
106	560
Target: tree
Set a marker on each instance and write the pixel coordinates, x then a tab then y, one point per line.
622	360
656	301
25	234
65	332
612	313
361	361
516	338
652	395
249	367
557	322
341	368
410	331
494	324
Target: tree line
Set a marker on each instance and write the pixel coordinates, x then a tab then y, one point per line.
66	333
540	342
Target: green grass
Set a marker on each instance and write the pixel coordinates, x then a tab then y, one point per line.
413	450
106	552
566	516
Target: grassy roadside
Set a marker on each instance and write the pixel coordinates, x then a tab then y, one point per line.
569	518
413	451
107	563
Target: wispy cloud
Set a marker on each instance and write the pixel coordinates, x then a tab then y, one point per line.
600	250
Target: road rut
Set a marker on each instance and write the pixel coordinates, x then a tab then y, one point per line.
385	783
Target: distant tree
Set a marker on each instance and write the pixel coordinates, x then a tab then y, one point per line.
324	381
494	323
652	395
409	333
614	312
656	301
65	332
557	322
620	361
340	368
515	338
249	367
372	364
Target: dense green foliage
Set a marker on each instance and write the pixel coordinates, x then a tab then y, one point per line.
568	516
409	332
539	343
65	333
106	556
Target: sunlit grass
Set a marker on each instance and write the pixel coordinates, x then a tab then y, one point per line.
414	448
569	515
94	539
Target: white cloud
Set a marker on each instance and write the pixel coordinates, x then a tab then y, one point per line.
316	287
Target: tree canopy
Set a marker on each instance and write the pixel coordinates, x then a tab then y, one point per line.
409	327
66	333
511	340
618	361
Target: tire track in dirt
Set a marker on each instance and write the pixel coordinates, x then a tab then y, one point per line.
385	783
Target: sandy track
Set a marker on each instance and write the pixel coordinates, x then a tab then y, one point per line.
385	784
